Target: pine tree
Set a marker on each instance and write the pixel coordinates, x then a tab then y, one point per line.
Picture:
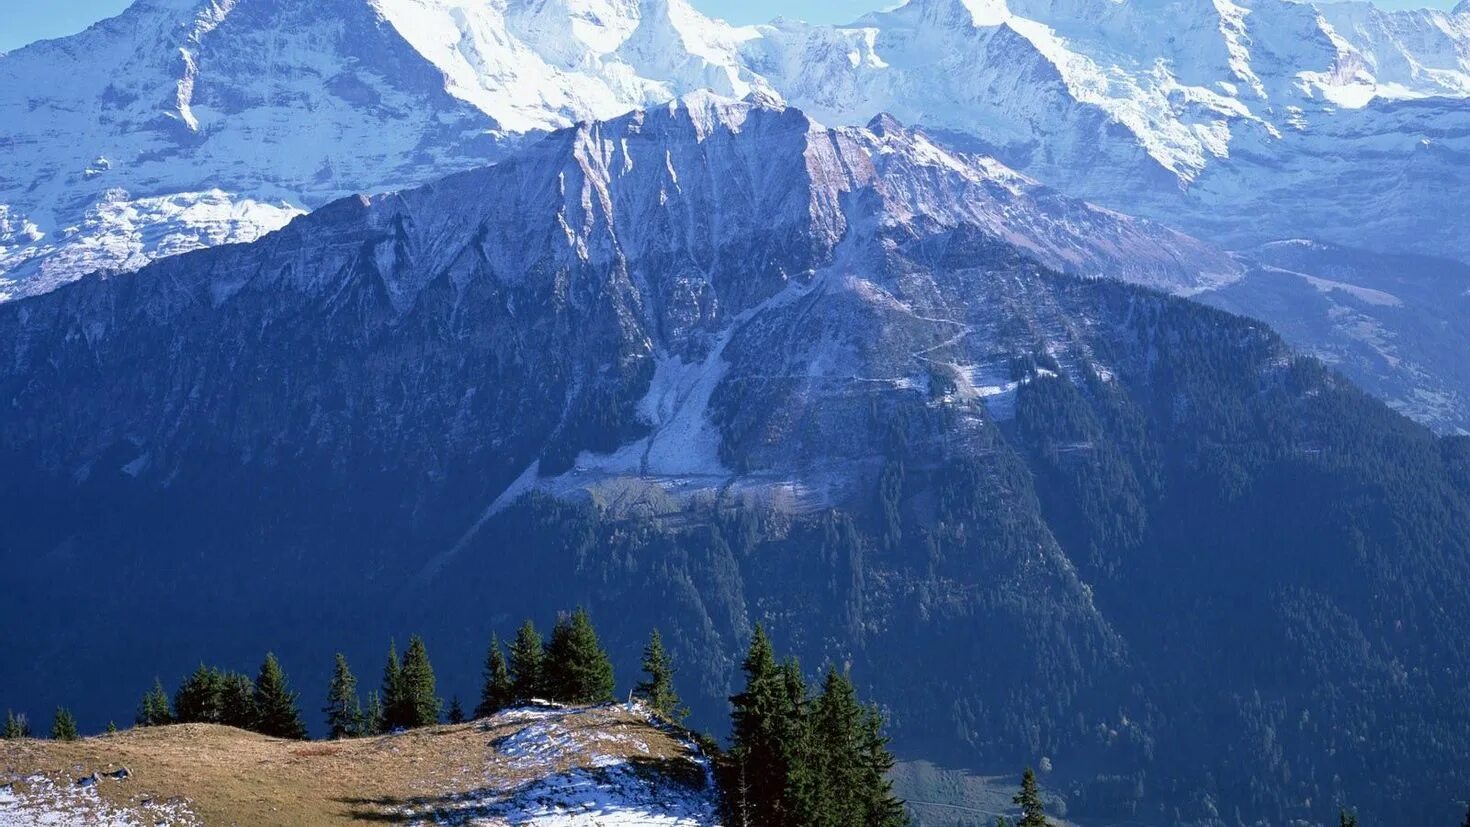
111	727
1000	821
1466	822
198	699
343	709
420	706
154	710
372	716
1033	813
497	693
576	669
880	806
391	696
840	774
1346	819
275	703
456	712
658	691
237	701
525	663
15	726
758	765
63	725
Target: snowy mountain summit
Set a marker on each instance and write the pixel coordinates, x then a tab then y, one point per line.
189	123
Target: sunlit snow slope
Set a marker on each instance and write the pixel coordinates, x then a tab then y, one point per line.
188	123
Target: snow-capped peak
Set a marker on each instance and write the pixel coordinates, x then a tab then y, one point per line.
1202	113
952	14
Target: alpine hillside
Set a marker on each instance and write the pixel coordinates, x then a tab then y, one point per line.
712	364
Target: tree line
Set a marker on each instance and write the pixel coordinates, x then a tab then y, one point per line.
798	757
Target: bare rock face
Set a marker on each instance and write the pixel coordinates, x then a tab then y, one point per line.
613	273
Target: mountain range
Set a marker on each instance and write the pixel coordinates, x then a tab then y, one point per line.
713	363
183	124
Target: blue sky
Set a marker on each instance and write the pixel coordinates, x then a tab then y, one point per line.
28	20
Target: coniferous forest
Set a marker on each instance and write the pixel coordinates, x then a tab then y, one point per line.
799	755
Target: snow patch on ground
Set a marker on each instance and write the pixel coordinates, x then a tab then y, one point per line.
582	776
39	801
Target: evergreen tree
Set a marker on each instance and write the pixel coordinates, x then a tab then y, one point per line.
1466	822
391	696
525	663
111	727
237	701
456	712
198	699
658	691
372	716
1346	819
761	742
1000	821
275	703
1033	813
154	710
880	806
576	669
420	706
16	726
497	693
343	709
63	725
840	773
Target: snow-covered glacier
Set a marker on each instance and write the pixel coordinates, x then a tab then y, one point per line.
187	123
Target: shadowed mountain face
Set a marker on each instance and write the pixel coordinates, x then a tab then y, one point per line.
712	364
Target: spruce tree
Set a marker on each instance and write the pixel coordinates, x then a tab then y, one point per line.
275	703
761	745
343	709
111	727
497	693
881	807
154	709
372	716
658	691
198	699
576	670
420	704
14	726
456	712
63	725
525	663
237	701
1033	813
1466	822
1346	819
391	695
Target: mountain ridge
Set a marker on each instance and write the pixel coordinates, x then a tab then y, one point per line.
410	90
712	365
